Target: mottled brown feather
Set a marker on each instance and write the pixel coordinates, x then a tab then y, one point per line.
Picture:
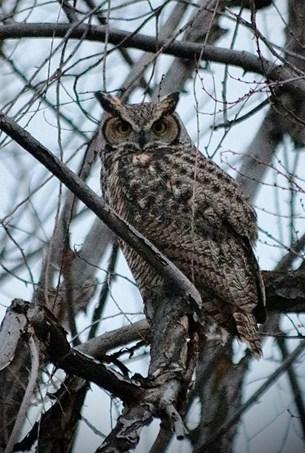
197	215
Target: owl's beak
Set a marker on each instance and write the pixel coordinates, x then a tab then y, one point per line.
142	139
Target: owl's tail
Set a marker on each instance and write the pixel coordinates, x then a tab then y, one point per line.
247	332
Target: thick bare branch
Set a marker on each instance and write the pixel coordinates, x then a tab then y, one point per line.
285	291
58	350
174	331
100	208
172	363
58	423
98	346
188	50
125	436
219	386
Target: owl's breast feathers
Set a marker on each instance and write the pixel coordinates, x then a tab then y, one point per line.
198	216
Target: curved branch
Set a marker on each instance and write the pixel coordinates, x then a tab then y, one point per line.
185	49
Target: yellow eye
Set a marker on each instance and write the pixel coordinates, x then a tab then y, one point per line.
123	128
160	127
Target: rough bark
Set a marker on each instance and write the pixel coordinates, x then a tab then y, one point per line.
173	357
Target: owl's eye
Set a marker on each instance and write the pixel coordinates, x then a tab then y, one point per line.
160	127
123	128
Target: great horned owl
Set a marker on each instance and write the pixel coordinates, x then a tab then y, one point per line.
193	212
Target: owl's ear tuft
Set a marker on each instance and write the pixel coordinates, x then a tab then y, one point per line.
110	104
169	103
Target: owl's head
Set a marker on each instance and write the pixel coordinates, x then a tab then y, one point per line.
140	125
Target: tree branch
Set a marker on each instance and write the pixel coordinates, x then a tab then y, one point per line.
98	346
133	238
268	383
26	401
165	393
58	350
285	291
185	49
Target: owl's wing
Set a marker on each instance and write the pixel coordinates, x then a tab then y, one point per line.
221	205
260	309
220	200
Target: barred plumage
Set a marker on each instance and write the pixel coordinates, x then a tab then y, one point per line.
197	215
